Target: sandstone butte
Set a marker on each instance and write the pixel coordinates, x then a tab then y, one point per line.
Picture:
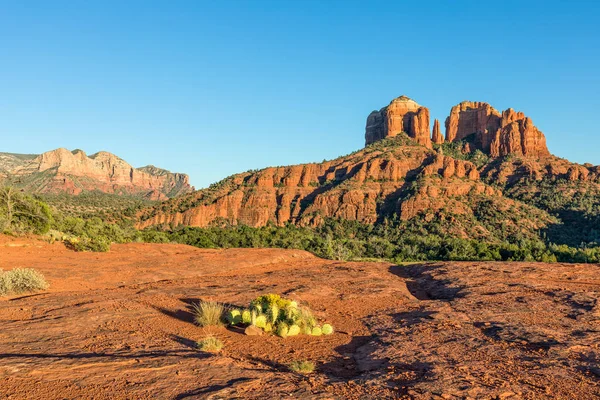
378	181
74	172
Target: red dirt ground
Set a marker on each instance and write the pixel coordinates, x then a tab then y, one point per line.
117	325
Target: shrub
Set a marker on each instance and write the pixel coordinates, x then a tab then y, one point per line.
210	344
302	367
84	243
21	280
208	313
21	213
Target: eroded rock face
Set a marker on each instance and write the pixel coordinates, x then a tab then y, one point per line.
401	115
74	172
495	133
436	136
518	135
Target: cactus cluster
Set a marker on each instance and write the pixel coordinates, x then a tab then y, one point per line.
284	317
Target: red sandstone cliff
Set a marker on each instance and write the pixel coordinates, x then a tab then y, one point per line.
436	135
495	133
403	177
401	115
74	172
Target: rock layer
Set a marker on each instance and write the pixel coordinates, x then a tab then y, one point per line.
401	115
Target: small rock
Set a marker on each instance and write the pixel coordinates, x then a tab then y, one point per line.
506	395
253	331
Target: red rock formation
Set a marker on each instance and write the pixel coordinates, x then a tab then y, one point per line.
401	115
518	135
436	136
494	133
61	170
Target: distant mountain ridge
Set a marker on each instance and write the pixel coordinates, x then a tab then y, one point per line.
74	172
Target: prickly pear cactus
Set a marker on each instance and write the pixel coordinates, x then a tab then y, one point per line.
282	330
246	317
273	313
327	329
293	330
234	316
261	321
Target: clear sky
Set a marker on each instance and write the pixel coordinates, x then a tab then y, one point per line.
212	88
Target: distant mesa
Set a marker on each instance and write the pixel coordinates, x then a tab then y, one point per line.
74	172
482	126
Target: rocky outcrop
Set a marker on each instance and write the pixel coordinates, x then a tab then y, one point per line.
74	172
436	135
494	133
518	135
365	186
401	115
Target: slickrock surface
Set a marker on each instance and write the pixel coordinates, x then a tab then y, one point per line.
118	325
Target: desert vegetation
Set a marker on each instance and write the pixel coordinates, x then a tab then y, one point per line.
210	344
302	367
22	214
270	313
208	313
394	240
21	280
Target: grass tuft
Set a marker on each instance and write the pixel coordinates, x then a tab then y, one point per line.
210	344
302	367
208	313
21	280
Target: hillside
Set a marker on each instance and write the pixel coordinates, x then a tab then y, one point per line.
73	172
491	178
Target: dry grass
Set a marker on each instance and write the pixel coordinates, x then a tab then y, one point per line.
210	344
302	367
208	313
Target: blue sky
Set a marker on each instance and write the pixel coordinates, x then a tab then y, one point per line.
214	88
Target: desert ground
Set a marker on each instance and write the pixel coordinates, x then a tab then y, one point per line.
118	325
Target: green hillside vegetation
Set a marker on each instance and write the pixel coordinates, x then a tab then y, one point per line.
489	234
22	214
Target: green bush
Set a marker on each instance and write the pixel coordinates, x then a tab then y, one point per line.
21	280
21	213
84	243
